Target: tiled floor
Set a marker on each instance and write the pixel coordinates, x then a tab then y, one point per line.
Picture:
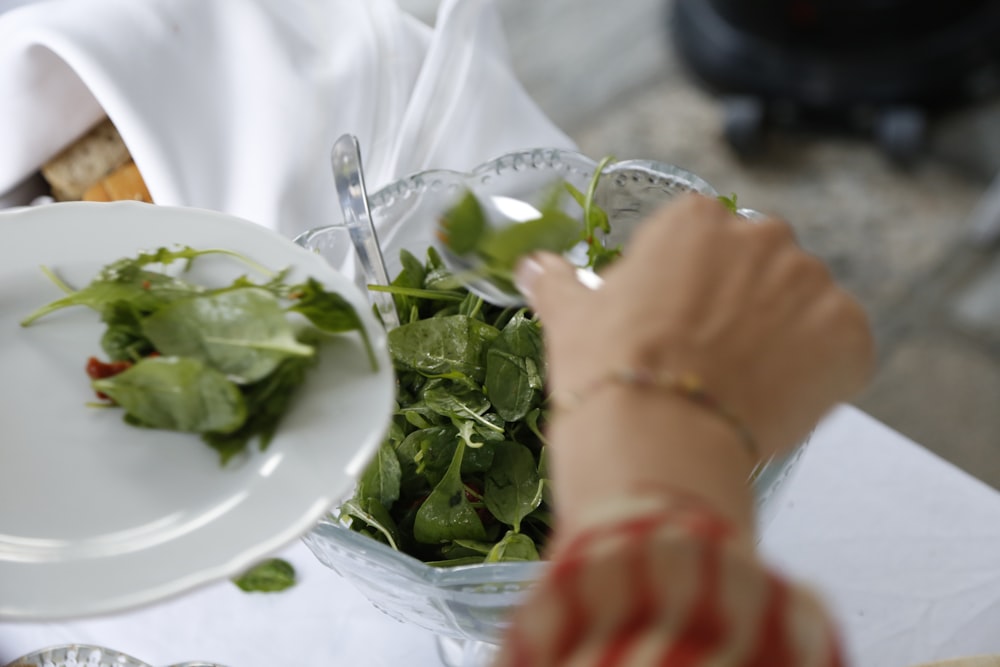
609	77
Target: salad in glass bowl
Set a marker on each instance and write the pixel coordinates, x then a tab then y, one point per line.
446	525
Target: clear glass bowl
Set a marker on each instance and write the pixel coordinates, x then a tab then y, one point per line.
470	603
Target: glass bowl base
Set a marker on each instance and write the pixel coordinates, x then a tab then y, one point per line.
466	652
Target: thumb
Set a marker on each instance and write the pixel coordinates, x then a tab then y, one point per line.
548	282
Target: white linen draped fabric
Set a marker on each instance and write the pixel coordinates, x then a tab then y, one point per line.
233	105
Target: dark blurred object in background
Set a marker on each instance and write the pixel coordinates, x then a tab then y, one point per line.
880	67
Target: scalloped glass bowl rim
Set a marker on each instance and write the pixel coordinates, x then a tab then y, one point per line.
386	195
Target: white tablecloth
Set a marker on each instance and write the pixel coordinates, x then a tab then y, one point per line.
903	546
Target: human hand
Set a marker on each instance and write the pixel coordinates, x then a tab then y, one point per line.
698	290
741	305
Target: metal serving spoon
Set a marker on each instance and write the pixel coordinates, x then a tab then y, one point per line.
349	179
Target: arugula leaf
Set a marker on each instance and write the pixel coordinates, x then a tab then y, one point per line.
127	280
146	290
178	394
271	576
513	487
595	219
531	421
453	399
455	562
729	202
243	333
372	514
555	232
418	293
167	256
463	227
447	514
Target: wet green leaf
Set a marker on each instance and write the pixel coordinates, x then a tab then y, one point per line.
447	514
179	394
243	333
271	576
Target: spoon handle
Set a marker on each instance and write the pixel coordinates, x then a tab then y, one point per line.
349	179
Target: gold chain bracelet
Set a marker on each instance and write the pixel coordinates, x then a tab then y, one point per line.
687	385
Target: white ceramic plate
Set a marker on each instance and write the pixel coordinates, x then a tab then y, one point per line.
97	516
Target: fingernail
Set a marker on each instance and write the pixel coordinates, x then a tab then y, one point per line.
526	274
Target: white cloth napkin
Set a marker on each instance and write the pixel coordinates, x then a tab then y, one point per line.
233	105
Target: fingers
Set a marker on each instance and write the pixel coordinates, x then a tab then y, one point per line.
548	281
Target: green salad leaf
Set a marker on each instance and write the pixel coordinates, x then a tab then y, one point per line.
443	345
468	480
224	362
381	479
243	333
514	367
271	576
466	434
178	394
513	486
729	202
330	313
447	514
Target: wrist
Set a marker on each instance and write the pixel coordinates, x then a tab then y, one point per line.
630	441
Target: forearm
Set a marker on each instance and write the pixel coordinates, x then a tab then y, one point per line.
666	584
624	440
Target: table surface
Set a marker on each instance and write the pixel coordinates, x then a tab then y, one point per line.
904	547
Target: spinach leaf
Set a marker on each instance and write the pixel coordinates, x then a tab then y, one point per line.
381	479
513	487
331	313
443	345
429	452
243	333
513	547
514	366
424	455
271	576
179	394
267	401
447	514
123	340
232	362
